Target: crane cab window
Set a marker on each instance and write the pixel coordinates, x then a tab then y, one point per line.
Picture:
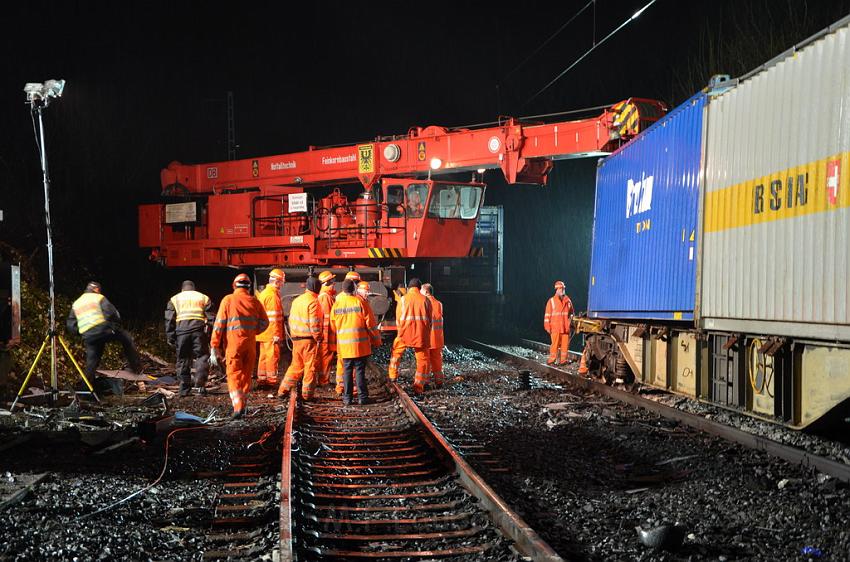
455	201
417	194
395	201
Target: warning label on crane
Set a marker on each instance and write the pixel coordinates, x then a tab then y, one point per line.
420	151
366	158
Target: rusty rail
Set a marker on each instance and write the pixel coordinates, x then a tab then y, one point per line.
380	481
528	542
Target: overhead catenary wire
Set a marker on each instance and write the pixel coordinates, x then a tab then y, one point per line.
593	48
547	41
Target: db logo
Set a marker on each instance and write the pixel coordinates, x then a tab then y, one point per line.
212	173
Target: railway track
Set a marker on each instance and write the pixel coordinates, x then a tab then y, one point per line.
788	453
381	482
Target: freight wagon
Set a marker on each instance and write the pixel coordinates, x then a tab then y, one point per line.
720	259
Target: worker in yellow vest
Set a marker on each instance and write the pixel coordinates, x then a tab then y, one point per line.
354	277
353	324
271	339
305	329
435	351
98	322
189	316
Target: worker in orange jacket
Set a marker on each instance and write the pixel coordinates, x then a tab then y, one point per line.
353	325
556	321
240	318
354	277
305	329
435	350
272	337
327	346
362	292
414	330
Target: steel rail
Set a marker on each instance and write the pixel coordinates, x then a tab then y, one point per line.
787	453
287	553
527	541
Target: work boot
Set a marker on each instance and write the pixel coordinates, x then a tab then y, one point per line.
202	391
418	389
364	401
238	414
184	391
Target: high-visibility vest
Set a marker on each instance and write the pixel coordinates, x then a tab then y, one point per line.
190	305
437	335
270	299
352	324
305	316
414	319
88	311
556	319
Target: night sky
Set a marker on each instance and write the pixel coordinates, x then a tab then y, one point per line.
146	84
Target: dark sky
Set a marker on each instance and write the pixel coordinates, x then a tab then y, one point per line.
146	83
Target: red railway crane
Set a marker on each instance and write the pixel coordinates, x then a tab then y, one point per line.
300	209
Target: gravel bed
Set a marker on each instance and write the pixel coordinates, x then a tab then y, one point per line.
586	473
826	446
168	522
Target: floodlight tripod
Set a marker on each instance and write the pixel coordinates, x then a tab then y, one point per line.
37	104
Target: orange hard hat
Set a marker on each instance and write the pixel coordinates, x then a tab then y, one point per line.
353	275
363	285
242	280
325	276
559	285
277	274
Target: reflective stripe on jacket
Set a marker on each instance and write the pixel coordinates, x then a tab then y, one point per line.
438	339
556	319
414	319
240	318
88	311
352	323
305	317
270	299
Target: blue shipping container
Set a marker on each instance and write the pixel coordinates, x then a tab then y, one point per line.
645	227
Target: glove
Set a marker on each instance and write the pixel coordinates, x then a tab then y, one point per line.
276	339
215	358
172	342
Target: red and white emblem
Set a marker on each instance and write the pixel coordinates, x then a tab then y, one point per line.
833	179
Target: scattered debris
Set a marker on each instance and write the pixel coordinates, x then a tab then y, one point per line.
666	536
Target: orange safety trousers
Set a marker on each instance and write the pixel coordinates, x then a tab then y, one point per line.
435	362
562	342
269	361
239	366
423	375
303	366
324	360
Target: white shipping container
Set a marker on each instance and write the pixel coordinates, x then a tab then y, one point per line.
776	224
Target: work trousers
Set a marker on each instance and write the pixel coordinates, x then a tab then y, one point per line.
95	345
354	370
324	360
302	368
423	376
192	346
435	363
562	342
239	365
268	364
